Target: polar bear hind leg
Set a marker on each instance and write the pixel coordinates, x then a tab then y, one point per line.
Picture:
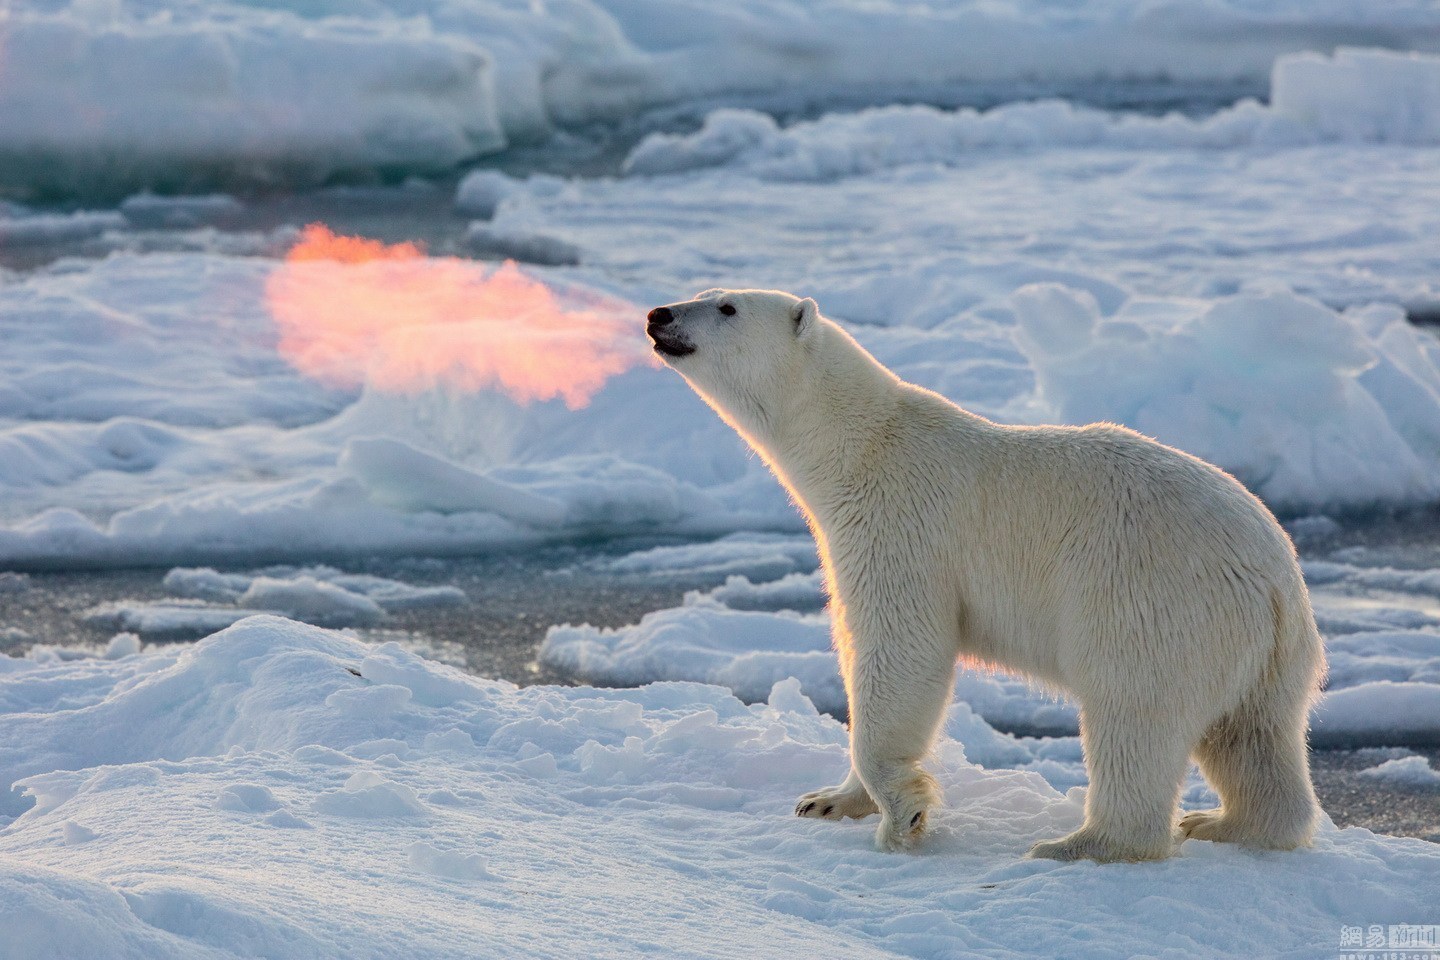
1136	769
1255	758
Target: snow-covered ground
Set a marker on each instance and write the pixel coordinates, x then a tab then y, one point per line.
278	790
207	381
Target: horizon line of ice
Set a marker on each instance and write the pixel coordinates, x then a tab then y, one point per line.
220	92
1356	96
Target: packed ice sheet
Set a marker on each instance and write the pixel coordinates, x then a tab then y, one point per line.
143	402
1381	625
149	92
204	600
1358	96
250	795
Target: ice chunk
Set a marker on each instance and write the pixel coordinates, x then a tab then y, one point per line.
1409	771
399	475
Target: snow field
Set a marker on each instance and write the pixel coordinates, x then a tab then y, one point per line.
250	795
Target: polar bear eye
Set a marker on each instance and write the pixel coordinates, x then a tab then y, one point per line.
726	309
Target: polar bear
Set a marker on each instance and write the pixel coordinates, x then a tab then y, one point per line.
1148	584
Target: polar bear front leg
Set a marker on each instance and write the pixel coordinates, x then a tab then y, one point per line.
897	699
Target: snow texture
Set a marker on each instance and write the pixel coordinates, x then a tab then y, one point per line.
250	796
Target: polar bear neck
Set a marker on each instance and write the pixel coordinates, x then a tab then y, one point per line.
837	404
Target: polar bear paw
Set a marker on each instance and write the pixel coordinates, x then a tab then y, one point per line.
905	812
899	834
1205	825
1089	844
835	803
1219	827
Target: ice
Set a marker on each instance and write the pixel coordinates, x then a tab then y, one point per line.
19	226
122	645
765	555
747	651
1251	314
127	98
396	474
1358	96
213	802
146	92
149	210
1382	629
311	600
213	600
167	620
1409	771
491	244
1296	400
482	191
1361	95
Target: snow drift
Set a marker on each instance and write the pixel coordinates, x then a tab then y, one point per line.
251	795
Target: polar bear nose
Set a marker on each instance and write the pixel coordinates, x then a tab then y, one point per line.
660	316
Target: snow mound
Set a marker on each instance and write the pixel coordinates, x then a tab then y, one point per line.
1409	771
1304	405
1359	96
215	801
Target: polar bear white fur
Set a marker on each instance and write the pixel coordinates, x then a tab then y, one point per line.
1150	585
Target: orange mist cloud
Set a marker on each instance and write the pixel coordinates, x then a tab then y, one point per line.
353	311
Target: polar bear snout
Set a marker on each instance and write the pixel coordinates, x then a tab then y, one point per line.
669	342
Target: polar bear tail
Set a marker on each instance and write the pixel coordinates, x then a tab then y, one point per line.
1256	756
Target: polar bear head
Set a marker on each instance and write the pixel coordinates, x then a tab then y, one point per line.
735	346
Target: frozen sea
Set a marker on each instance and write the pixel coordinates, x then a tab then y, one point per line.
355	553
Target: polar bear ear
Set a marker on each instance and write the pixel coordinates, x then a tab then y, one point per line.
805	313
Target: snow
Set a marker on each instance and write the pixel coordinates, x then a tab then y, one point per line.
1231	301
144	91
249	795
1358	96
225	87
209	601
1408	771
1234	279
1296	400
1382	629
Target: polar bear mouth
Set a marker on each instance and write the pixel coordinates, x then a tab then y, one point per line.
670	348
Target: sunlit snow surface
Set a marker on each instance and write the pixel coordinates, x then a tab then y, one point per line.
1236	284
251	796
